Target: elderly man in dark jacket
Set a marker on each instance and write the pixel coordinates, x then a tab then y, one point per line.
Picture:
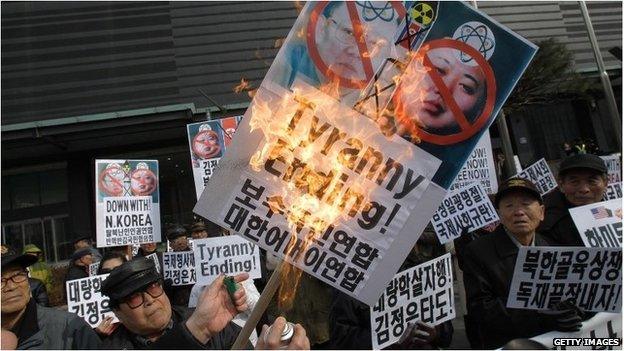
489	264
35	326
150	322
582	181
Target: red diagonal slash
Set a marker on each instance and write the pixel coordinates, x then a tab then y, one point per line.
360	38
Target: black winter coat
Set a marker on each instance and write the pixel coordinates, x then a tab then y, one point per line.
176	338
558	227
489	263
39	292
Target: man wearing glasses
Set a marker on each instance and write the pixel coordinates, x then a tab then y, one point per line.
149	321
37	327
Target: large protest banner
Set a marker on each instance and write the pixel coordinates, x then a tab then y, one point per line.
208	141
613	191
593	333
463	210
540	174
127	202
423	293
600	224
340	178
85	299
479	167
614	167
229	255
544	276
179	267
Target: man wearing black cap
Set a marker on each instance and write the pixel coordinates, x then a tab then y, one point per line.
178	238
489	263
38	327
149	321
79	266
582	181
86	243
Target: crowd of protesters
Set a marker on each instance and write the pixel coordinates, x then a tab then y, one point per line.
153	314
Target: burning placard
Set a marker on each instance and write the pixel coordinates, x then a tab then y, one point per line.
229	255
345	156
127	202
208	141
600	224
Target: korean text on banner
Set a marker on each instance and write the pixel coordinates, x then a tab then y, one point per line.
540	174
464	210
179	267
154	257
544	276
600	224
423	293
85	299
614	167
340	178
601	326
93	268
479	167
127	202
208	141
229	255
613	191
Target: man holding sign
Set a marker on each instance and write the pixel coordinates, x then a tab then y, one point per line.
489	266
582	181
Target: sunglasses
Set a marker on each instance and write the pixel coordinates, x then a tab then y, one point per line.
136	299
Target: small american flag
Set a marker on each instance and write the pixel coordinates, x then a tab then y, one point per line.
601	212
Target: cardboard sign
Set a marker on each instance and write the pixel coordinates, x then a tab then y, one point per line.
420	294
229	255
614	167
127	202
600	224
179	267
85	299
544	276
592	335
208	141
479	167
93	268
539	173
338	172
464	210
613	191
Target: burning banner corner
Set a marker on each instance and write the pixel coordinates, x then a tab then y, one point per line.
363	121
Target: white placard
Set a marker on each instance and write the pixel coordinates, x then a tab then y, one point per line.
614	167
85	299
154	257
479	167
544	276
540	174
423	293
600	223
613	191
127	202
93	268
229	255
466	209
601	326
179	267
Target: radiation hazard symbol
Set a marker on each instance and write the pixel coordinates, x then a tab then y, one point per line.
422	13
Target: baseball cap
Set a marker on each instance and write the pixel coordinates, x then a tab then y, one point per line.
587	161
517	183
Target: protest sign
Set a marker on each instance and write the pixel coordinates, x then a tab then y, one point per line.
93	268
154	258
600	223
179	267
419	294
127	202
208	141
339	178
592	335
85	299
466	209
613	191
544	276
614	167
479	167
539	173
229	255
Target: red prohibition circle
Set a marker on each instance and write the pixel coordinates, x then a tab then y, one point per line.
316	56
467	129
109	184
206	144
143	182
